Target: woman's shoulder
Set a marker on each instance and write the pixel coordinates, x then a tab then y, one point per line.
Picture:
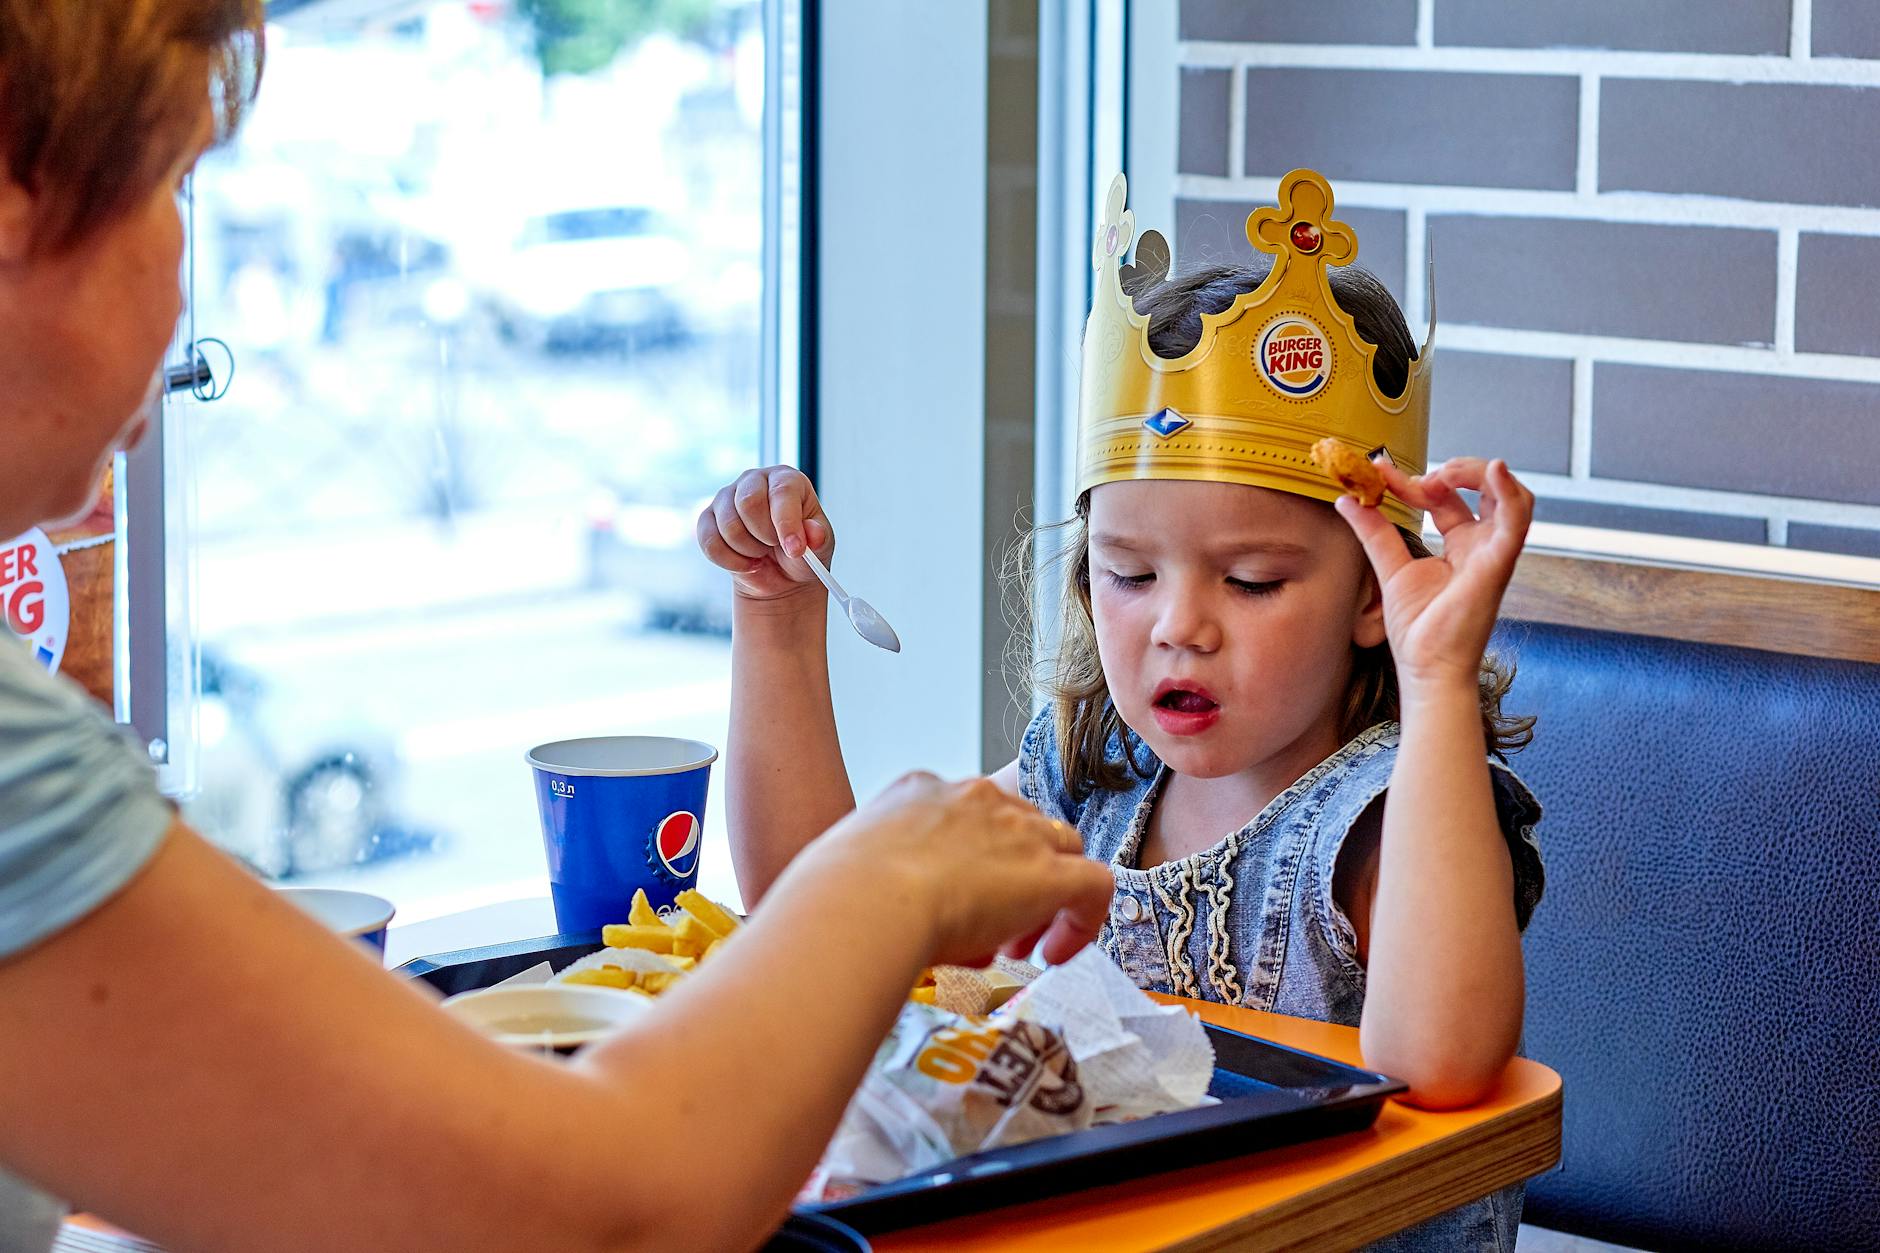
54	738
79	808
32	697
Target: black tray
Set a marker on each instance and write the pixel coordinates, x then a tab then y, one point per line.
1269	1096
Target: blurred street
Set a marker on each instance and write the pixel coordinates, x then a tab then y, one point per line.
494	310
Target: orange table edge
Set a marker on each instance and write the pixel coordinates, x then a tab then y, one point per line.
1332	1193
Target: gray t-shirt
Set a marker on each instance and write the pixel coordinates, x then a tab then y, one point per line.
80	815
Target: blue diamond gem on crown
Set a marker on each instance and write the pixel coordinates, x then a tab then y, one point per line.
1166	423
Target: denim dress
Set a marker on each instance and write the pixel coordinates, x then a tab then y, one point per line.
1251	920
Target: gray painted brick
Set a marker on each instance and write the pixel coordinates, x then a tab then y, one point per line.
1846	28
1490	405
1690	283
1754	141
1855	541
1736	432
1204	120
1320	22
1395	126
1214	231
1689	523
1735	26
1837	295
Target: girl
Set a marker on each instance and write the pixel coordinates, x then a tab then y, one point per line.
1272	716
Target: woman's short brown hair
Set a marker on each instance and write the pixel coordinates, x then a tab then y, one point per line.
97	98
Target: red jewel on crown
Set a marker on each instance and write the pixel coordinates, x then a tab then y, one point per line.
1306	237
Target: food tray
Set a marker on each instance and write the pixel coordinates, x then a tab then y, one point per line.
1269	1095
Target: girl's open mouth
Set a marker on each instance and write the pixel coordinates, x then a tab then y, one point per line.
1183	709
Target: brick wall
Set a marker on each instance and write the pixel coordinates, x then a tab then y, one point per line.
1656	229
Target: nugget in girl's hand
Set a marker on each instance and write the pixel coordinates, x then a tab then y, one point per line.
1353	471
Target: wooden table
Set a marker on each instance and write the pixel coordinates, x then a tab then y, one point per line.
1334	1193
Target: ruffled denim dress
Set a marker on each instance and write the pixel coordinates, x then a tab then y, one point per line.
1251	920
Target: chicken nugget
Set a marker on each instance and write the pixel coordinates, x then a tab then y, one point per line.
1351	470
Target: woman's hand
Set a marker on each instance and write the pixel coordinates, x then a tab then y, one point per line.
758	527
987	870
1439	613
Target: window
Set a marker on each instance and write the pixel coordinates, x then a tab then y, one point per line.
500	279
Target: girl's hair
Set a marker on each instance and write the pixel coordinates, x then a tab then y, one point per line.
1087	722
97	98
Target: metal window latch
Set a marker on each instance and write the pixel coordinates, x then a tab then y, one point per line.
196	376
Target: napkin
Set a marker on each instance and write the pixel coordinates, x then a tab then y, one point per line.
1080	1045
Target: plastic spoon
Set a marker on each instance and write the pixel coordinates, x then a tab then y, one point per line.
868	624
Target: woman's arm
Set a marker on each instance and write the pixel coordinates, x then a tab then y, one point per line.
202	1063
786	778
1434	907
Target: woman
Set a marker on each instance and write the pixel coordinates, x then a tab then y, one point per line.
184	1053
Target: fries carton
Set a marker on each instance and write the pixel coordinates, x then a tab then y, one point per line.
649	952
1080	1045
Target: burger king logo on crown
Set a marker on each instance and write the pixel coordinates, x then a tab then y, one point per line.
1294	355
1200	416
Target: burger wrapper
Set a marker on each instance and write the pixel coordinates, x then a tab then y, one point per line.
1079	1046
972	991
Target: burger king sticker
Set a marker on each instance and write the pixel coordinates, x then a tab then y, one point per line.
33	596
1295	356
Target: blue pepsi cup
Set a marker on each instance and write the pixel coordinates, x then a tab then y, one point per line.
620	813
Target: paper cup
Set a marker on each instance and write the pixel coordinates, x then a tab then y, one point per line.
620	813
355	915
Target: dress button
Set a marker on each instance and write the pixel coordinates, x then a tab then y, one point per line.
1130	908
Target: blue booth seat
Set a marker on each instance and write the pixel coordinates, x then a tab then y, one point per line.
1704	972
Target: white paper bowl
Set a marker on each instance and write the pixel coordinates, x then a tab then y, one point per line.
356	915
487	1008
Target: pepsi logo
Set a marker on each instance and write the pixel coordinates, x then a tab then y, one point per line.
1294	355
675	843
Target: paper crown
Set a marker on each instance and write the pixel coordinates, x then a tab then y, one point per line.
1276	371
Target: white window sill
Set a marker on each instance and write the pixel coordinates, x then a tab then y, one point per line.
488	923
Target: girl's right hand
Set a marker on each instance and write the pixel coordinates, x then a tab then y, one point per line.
987	870
758	527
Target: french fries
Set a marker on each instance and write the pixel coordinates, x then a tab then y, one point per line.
605	977
654	939
642	913
711	915
676	943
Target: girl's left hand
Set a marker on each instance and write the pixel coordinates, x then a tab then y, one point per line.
1438	613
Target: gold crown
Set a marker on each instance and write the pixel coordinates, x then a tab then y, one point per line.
1276	371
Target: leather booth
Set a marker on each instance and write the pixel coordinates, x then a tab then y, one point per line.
1704	971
